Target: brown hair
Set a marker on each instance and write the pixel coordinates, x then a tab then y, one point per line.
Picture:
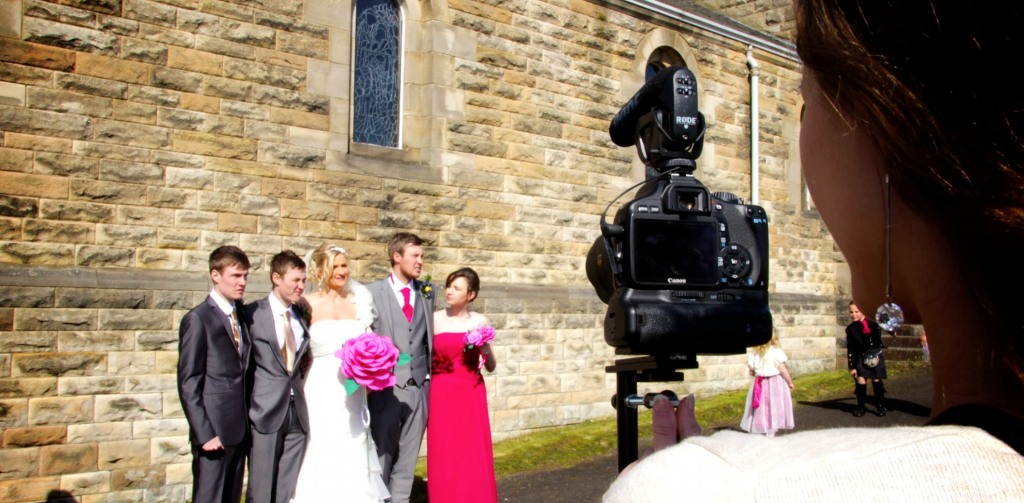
227	256
399	242
926	82
283	261
321	263
471	277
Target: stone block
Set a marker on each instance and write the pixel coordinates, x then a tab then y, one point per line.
95	385
230	222
172	300
65	165
261	73
19	464
132	135
112	24
139	216
142	384
146	51
137	478
197	22
168	450
75	210
21	184
10	19
14	413
172	405
183	240
27	342
95	65
128	407
60	410
32	437
107	192
136	496
91	85
69	37
176	79
15	160
214	145
37	254
166	35
26	53
26	296
123	454
164	158
150	12
24	75
100	432
200	103
18	206
54	319
64	459
38	122
132	112
37	489
10	228
57	232
86	483
300	119
125	235
130	363
170	198
154	96
104	256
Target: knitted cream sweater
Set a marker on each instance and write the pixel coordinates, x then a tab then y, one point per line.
902	464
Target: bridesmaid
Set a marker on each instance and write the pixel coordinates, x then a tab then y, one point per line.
460	460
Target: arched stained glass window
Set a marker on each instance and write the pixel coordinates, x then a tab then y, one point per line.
375	93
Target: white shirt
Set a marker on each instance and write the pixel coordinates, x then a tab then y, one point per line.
397	287
226	306
278	309
766	365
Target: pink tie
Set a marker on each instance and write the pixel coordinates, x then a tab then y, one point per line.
407	308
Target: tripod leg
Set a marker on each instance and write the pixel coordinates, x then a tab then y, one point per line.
628	431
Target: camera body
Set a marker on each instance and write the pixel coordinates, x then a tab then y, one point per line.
694	276
683	270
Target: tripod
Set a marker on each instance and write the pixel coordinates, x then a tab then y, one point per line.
628	372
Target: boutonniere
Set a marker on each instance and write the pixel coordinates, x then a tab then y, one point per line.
304	310
427	288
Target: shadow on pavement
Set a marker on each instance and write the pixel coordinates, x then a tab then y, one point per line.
893	405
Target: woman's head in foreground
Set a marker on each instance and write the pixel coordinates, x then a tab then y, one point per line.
921	91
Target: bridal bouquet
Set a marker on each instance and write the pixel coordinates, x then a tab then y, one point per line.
478	336
367	360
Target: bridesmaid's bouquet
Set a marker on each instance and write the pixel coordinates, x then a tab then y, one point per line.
478	336
367	360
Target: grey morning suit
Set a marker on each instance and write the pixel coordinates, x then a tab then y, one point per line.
280	420
398	416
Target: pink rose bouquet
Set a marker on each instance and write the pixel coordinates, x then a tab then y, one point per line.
367	360
478	336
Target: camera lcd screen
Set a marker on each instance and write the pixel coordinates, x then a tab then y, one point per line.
675	252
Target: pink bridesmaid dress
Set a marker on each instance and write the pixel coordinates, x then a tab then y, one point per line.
460	459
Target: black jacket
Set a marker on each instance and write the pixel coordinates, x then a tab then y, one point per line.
857	342
214	382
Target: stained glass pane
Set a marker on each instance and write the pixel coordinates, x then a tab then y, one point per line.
375	100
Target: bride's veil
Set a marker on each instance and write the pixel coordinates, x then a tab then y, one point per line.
361	296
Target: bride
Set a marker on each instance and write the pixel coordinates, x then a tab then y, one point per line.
341	460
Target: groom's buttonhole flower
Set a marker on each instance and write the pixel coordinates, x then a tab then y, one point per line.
427	288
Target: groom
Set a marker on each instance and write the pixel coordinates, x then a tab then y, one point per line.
280	422
398	415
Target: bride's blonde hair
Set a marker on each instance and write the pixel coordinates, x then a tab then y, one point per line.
321	263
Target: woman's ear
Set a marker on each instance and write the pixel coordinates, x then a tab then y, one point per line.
472	296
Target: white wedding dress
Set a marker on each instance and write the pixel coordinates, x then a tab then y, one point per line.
341	463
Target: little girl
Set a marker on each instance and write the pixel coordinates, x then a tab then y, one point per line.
769	406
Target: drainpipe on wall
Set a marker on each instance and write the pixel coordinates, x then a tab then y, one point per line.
755	127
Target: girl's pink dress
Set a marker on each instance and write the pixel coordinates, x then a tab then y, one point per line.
460	459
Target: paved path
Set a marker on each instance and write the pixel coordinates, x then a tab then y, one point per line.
909	405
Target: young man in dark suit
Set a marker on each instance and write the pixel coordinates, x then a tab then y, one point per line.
213	365
280	420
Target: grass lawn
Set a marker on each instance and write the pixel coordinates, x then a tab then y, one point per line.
566	446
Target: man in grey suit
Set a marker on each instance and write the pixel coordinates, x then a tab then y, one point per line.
280	421
214	362
398	415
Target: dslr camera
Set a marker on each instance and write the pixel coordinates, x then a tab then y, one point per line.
684	271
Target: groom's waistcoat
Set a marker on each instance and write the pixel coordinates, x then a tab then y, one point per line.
414	338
